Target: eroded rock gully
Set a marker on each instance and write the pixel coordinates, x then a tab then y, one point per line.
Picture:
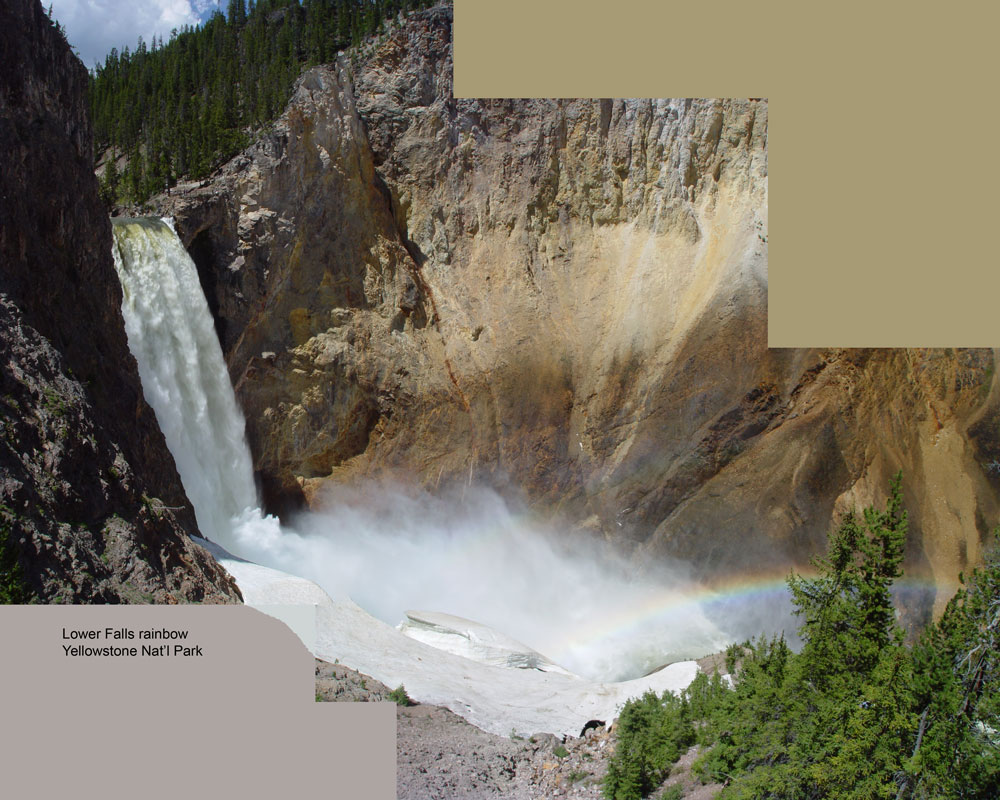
566	299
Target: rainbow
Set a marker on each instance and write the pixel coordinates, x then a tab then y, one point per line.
673	606
767	594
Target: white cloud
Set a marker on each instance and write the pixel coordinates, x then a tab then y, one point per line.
206	7
93	27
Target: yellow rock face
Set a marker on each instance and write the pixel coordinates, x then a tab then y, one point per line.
566	299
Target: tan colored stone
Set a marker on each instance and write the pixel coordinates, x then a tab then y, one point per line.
565	299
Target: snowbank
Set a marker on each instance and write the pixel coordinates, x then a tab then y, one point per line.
498	699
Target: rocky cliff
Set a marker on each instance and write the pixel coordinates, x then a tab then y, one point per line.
565	299
91	508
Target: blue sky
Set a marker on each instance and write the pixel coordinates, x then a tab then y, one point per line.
93	27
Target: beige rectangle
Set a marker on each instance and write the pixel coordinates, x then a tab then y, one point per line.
226	711
885	117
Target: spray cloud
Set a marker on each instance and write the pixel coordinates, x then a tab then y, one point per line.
568	597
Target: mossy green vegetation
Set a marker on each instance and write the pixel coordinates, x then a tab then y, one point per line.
14	589
577	775
400	697
856	713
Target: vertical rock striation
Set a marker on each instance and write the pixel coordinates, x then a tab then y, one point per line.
90	503
565	299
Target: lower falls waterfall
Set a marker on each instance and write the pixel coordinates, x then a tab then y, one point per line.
391	551
184	377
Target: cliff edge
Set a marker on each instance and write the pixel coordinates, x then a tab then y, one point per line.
91	508
565	300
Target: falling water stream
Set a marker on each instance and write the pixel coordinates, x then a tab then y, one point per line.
172	336
388	550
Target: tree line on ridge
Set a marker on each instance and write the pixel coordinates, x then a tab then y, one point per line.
166	111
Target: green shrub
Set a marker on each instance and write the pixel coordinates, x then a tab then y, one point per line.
400	697
835	720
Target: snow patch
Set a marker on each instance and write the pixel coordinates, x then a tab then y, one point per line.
497	699
472	640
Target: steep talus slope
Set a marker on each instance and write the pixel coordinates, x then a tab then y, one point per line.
566	299
90	503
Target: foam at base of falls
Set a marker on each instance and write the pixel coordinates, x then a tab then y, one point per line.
472	556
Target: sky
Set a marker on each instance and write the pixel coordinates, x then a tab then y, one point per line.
93	27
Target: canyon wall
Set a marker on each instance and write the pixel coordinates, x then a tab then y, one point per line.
91	508
566	300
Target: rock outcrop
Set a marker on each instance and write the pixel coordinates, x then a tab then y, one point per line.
91	508
565	299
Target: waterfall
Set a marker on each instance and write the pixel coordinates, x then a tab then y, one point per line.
470	556
184	376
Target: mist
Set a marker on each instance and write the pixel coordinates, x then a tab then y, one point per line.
468	552
474	555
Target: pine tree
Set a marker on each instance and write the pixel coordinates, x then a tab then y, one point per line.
109	183
856	715
653	732
835	720
847	610
957	687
